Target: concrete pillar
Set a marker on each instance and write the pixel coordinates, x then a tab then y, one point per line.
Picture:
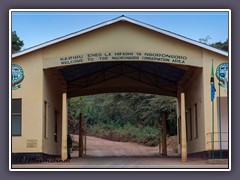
64	127
183	129
164	134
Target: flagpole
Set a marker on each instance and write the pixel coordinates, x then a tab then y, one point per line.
212	129
219	112
212	99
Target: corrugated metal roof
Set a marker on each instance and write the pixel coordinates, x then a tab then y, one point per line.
160	70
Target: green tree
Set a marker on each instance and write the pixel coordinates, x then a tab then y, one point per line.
124	116
17	43
221	45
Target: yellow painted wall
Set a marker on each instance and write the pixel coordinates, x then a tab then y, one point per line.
122	37
217	60
38	86
198	91
224	123
194	95
52	94
31	94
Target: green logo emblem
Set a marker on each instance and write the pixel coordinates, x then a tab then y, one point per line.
222	74
17	76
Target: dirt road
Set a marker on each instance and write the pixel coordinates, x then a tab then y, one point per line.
97	147
103	154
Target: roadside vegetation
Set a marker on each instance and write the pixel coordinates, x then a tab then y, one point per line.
125	117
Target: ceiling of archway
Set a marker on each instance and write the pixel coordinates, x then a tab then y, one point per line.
125	76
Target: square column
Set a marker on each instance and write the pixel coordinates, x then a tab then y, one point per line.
64	127
183	129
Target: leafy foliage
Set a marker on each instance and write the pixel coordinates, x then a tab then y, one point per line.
124	116
219	45
17	43
145	135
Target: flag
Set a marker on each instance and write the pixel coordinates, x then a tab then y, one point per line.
212	83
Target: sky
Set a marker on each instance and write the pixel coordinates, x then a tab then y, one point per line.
38	27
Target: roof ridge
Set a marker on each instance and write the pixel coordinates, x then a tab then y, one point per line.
114	20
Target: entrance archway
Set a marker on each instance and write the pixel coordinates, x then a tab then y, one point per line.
124	76
120	55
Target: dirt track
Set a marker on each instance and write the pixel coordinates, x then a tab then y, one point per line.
124	155
98	147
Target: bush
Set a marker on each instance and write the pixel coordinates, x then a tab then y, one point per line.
124	116
145	135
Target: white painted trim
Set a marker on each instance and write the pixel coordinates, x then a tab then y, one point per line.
121	18
177	36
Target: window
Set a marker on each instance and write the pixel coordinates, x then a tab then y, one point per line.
186	116
196	121
179	130
45	119
190	123
16	117
55	125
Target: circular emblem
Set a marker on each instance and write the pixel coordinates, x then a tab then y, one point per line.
222	74
17	76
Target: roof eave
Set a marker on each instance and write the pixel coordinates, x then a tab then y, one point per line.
122	18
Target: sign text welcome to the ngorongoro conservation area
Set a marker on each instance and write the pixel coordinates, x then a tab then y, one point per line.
123	56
